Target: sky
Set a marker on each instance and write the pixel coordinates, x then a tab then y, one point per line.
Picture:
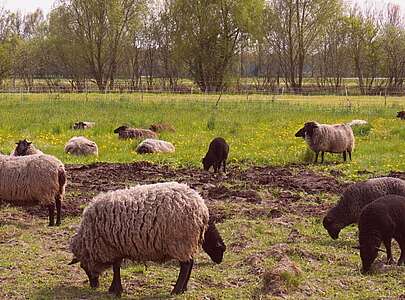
45	5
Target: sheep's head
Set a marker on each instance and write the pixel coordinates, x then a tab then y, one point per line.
121	128
213	244
78	125
401	114
207	163
22	147
93	271
368	253
307	130
330	225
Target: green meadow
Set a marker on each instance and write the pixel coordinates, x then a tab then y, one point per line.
260	130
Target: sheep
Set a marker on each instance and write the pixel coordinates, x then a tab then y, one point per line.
83	125
160	127
25	148
217	154
357	123
33	179
79	145
355	197
155	222
154	146
125	132
380	221
323	138
401	115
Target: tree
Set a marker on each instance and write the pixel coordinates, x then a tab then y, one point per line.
207	33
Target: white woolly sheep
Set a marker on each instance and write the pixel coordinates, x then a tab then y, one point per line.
156	222
25	148
357	123
355	197
323	138
125	132
83	125
33	179
79	145
154	146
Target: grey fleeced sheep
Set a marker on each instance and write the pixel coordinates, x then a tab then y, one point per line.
381	221
25	148
355	197
156	222
125	132
161	127
33	179
83	125
323	138
154	146
79	145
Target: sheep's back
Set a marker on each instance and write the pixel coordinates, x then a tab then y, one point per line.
157	146
145	223
332	138
29	179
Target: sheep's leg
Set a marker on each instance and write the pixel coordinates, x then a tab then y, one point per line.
58	203
387	244
51	211
116	286
216	167
344	156
401	242
350	155
184	269
322	155
224	164
316	157
188	275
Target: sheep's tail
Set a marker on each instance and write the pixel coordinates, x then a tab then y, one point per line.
62	180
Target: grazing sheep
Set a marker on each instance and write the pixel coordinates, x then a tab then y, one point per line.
357	123
25	148
79	145
33	179
154	146
380	221
401	115
217	154
125	132
83	125
355	197
160	127
155	222
323	138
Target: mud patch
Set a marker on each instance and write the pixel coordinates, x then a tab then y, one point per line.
250	188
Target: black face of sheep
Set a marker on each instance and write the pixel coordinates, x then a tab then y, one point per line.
93	277
331	227
308	129
213	244
401	115
22	147
368	254
121	128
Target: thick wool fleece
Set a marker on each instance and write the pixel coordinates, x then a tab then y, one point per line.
79	145
331	138
155	146
137	133
356	196
156	222
31	179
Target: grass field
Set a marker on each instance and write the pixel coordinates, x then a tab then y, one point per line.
260	131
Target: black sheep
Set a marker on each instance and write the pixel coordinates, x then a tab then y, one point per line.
217	154
401	115
379	222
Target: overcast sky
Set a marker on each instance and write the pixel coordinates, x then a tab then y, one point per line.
45	5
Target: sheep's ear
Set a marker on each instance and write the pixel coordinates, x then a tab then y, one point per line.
29	143
74	261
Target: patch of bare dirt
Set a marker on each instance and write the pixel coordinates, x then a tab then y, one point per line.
250	188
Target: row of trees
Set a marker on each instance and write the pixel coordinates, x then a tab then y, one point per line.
212	42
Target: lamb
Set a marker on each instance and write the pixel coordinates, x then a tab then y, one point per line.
355	197
33	179
401	115
155	222
154	146
217	154
160	127
25	148
79	145
357	123
380	221
323	138
83	125
125	132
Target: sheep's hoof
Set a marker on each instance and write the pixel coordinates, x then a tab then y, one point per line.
116	292
177	291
